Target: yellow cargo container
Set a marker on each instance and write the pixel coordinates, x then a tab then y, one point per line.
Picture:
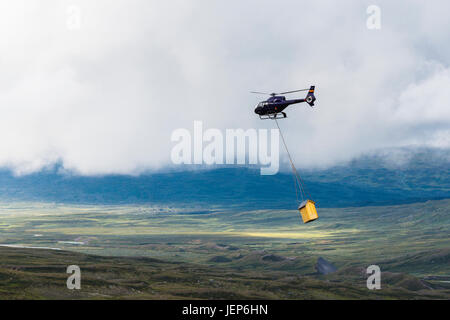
308	211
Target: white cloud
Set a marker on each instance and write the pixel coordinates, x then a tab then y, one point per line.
105	98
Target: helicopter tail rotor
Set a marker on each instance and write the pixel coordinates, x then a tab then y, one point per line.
310	98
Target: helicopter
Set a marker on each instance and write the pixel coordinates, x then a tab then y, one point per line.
273	107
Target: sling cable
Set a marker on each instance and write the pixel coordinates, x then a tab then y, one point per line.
306	206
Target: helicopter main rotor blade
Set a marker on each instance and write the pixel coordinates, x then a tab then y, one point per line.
293	91
274	94
260	92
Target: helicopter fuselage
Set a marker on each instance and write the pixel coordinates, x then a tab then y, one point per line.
274	105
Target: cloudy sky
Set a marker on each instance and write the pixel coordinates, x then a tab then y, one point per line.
99	86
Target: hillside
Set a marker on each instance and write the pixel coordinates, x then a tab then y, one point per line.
40	274
155	251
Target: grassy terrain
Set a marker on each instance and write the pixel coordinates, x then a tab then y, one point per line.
165	252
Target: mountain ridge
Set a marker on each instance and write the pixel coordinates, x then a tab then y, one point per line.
364	181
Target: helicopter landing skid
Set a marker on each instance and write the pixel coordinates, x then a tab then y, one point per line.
274	116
